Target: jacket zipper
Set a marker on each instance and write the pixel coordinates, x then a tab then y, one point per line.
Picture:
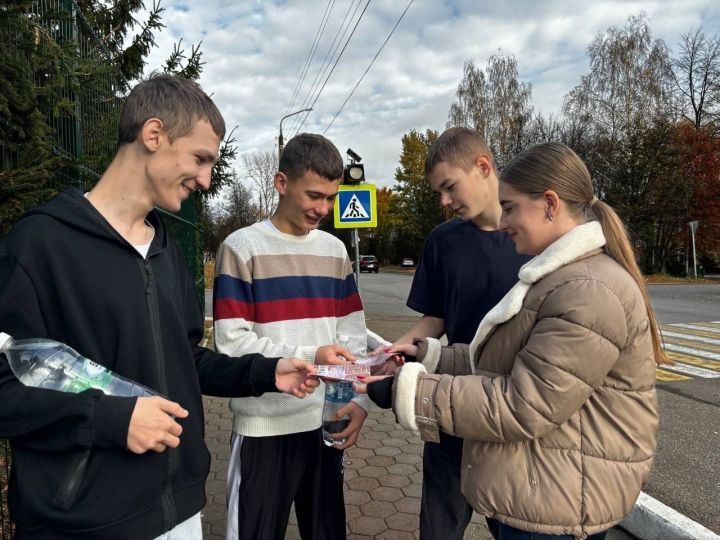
531	465
168	502
67	493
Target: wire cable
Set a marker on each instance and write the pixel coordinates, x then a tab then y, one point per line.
329	56
335	64
313	49
368	68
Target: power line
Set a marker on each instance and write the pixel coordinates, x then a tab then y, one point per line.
369	66
329	55
313	49
336	63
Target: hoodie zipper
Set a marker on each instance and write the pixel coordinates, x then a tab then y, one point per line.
151	299
531	465
67	494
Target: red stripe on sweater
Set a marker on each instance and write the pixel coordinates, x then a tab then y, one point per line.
287	310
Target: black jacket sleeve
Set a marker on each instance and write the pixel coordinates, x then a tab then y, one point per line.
219	374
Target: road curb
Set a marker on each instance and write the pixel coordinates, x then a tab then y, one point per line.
652	520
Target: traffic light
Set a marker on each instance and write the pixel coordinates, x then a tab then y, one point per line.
354	171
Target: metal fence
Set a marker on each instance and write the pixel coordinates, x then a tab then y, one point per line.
84	135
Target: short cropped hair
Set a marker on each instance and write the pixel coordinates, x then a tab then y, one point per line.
311	152
179	102
458	146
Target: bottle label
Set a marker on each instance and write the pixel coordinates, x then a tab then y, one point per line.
339	392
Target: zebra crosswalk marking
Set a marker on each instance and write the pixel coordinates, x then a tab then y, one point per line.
699	362
699	330
695	350
691	337
669	376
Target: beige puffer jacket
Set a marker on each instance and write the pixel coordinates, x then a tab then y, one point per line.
560	415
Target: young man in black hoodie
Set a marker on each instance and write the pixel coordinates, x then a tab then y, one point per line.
99	272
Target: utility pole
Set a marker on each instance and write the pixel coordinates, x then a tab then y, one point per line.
280	138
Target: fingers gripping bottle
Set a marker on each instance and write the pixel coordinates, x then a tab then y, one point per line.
45	363
337	395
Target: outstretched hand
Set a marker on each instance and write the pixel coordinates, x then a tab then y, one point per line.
378	388
296	377
333	354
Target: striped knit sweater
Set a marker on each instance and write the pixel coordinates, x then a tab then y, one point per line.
283	295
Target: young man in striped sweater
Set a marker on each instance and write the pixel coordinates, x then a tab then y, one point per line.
285	288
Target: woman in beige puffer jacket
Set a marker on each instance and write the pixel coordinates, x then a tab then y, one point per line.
555	396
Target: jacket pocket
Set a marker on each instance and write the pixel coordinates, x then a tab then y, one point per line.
531	465
70	486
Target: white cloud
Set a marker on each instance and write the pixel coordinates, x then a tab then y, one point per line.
255	51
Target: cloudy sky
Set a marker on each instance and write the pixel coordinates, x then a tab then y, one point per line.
255	52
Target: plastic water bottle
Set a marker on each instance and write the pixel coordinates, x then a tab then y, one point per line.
45	363
337	395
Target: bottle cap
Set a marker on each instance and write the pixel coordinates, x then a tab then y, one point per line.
4	338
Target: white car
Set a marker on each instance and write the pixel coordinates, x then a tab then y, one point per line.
407	262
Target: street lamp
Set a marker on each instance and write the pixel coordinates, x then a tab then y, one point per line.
280	138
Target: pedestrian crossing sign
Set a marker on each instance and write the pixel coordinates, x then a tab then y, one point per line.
356	206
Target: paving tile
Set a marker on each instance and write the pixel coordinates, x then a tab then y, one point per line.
370	471
368	443
394	535
380	509
394	441
413	448
368	526
402	469
417	477
387	451
351	511
376	435
362	453
403	522
363	484
413	490
407	457
401	434
381	461
387	494
355	463
357	497
394	480
409	505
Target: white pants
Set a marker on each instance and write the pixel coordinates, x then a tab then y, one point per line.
190	529
233	487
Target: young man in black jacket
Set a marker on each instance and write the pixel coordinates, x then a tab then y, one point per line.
99	272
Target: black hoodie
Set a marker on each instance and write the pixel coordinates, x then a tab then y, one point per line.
66	274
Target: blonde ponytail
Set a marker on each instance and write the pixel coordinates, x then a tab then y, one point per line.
554	166
618	247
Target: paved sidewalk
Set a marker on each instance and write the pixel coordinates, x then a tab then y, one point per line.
383	479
